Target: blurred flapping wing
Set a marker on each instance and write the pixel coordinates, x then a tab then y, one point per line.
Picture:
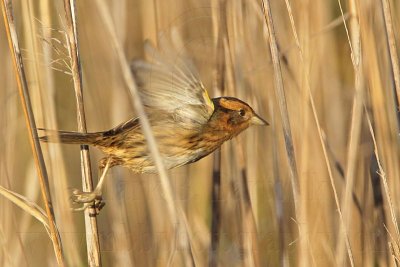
169	83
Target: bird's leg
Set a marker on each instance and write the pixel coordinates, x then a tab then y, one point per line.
94	197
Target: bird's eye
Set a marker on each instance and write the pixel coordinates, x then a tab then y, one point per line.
242	112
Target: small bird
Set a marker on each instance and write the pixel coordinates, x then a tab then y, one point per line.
186	123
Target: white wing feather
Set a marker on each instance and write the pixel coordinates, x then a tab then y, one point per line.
170	83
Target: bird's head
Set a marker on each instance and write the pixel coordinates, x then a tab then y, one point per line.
233	115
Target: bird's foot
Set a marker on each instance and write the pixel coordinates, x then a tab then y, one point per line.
91	199
79	196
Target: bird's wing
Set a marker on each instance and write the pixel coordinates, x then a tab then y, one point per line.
123	127
169	83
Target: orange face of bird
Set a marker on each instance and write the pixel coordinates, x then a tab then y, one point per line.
234	115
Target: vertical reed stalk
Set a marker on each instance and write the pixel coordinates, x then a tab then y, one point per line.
92	237
394	58
30	122
280	93
320	133
174	209
219	21
355	130
215	210
36	24
279	205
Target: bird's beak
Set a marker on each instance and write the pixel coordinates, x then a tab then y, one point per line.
257	120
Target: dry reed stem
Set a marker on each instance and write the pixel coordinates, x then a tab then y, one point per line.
340	170
355	128
30	122
30	207
219	30
117	212
39	38
331	77
278	190
280	93
215	210
249	225
173	207
382	174
394	247
391	39
140	109
320	132
236	34
8	218
395	254
228	56
92	236
385	125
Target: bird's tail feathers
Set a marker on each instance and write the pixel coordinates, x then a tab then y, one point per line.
54	136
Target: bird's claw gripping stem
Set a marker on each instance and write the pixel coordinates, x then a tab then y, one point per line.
94	198
88	199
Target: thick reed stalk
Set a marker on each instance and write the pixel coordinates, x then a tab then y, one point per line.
92	237
31	125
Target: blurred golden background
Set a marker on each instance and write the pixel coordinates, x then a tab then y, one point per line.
339	71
